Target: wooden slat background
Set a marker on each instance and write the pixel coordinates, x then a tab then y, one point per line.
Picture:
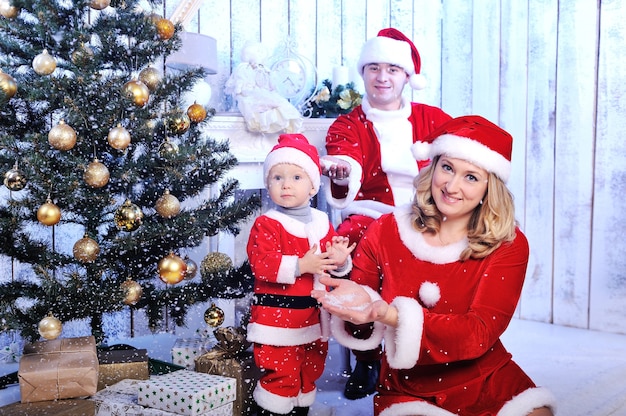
550	72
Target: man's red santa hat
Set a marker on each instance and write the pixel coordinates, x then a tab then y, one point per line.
390	46
473	139
295	149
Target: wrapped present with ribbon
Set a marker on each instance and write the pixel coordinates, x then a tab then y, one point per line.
64	368
231	358
186	350
121	361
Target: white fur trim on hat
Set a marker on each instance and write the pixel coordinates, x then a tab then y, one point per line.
459	147
343	337
294	157
402	343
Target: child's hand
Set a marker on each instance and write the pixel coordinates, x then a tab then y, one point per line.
339	249
316	263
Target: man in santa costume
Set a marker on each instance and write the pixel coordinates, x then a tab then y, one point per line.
369	160
440	279
289	248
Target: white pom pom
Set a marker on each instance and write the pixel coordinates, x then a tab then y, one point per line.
420	150
417	81
429	294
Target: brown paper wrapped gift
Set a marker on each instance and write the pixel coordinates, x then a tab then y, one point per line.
230	359
58	369
119	362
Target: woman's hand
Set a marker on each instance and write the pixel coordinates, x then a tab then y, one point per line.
350	302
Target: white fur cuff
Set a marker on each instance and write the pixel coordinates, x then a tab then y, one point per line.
403	343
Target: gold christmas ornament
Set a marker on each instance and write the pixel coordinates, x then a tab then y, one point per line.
82	55
178	124
165	28
136	92
214	316
118	137
196	113
49	214
44	63
8	86
192	268
128	216
14	179
8	10
132	291
167	149
167	205
99	4
86	249
50	327
62	136
172	269
215	262
151	77
97	174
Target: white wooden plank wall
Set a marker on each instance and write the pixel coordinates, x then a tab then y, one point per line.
548	71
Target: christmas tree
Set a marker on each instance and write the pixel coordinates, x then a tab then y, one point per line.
95	143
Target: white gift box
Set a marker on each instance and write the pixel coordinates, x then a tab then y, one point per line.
186	350
188	393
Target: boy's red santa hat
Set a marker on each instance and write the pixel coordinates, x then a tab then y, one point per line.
473	139
295	149
392	47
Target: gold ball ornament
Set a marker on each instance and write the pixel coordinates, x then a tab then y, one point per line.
49	214
119	137
8	10
165	28
15	180
214	316
86	249
172	269
62	136
44	63
215	262
196	112
8	86
178	124
136	92
50	327
82	55
192	268
168	149
132	291
128	216
167	205
151	77
97	174
99	4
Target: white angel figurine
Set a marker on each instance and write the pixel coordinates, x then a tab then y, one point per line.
262	107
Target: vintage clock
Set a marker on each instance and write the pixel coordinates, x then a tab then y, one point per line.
293	76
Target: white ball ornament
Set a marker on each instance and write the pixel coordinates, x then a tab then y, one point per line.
44	63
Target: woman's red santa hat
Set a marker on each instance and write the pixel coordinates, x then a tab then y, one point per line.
295	149
473	139
392	47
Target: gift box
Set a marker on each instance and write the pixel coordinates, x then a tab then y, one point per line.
119	362
58	369
187	392
230	358
186	350
121	399
67	407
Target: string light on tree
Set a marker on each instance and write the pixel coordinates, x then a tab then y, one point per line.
132	291
128	217
86	249
97	174
172	269
214	316
44	63
50	327
49	214
62	136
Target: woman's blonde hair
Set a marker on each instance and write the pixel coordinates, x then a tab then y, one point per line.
491	224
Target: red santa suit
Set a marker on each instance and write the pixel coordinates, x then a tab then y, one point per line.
445	356
377	145
286	325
